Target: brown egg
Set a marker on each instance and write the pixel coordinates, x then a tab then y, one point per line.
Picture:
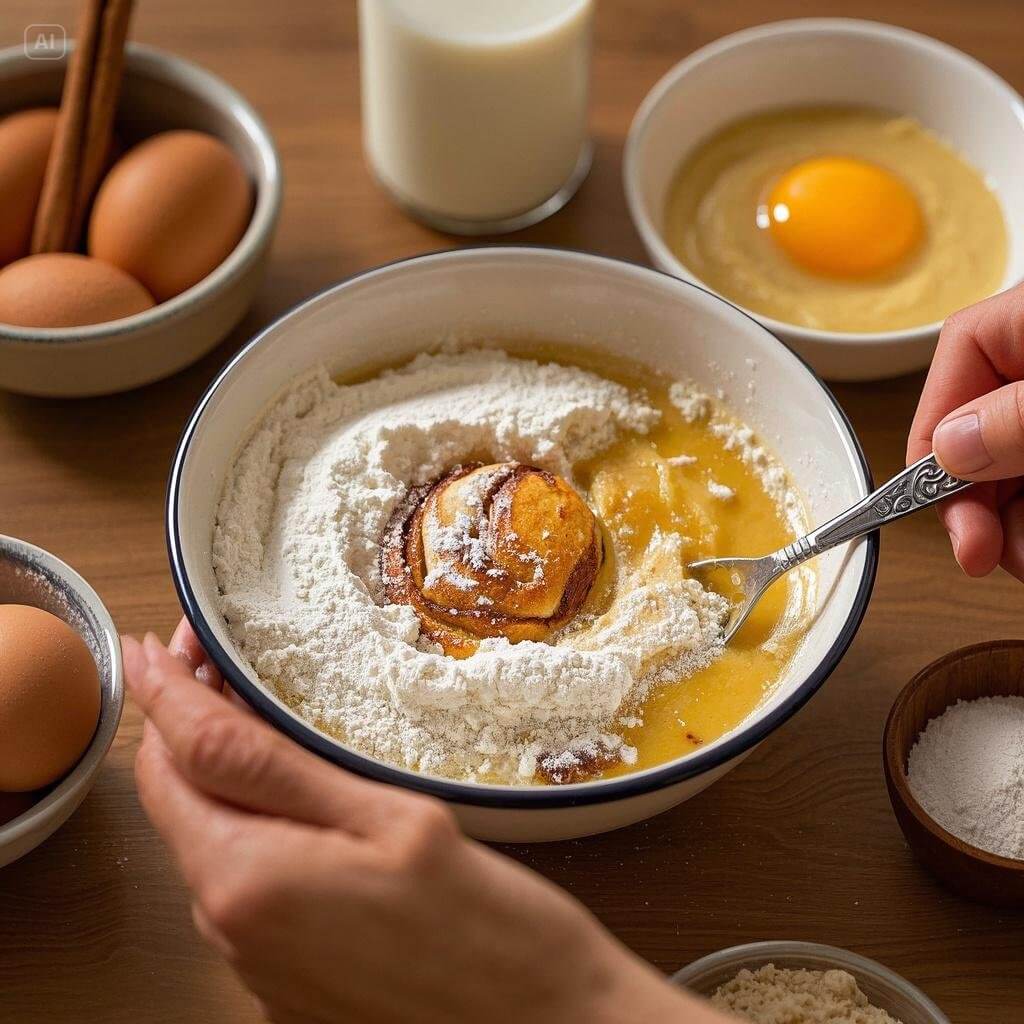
14	804
25	140
171	210
64	289
49	697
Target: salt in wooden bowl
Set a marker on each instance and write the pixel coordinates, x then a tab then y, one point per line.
991	669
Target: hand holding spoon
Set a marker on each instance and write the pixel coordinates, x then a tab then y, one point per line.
918	486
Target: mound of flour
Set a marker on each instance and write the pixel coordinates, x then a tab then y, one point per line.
296	548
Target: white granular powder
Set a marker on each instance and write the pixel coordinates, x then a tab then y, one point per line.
967	771
774	995
296	548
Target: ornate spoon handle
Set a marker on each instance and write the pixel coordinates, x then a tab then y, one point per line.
923	483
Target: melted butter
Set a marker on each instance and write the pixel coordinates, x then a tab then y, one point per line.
638	491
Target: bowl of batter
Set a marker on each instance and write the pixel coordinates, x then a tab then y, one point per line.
445	544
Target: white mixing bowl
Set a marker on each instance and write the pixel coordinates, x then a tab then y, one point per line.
527	294
823	61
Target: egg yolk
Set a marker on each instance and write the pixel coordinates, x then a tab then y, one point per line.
842	217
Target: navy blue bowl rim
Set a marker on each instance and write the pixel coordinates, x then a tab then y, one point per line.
476	794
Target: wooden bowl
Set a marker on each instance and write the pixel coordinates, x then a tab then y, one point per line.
992	669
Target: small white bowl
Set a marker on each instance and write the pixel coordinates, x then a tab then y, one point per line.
824	61
510	294
884	989
160	92
30	575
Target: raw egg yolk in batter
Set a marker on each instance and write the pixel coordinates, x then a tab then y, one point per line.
842	217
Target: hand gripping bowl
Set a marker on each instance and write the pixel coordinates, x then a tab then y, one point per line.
510	294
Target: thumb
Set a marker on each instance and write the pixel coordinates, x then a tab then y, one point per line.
984	440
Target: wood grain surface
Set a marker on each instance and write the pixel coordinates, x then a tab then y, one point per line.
799	842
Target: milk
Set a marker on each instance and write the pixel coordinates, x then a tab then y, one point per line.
475	111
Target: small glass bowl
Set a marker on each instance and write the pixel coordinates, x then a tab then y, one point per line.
884	989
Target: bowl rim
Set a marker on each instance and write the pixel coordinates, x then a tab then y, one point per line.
81	775
482	794
865	28
896	774
830	956
166	67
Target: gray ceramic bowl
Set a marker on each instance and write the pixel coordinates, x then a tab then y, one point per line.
29	575
886	990
160	92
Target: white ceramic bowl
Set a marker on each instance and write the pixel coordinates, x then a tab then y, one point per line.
519	293
884	989
160	92
825	61
29	575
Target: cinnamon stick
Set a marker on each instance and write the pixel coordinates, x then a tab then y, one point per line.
84	125
56	203
106	87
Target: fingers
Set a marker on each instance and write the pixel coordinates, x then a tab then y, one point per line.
980	349
133	657
234	757
975	529
960	372
185	645
192	824
984	439
233	862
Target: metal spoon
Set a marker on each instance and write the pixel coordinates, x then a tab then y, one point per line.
922	484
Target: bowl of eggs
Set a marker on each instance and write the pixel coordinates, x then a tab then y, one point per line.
848	184
171	247
61	693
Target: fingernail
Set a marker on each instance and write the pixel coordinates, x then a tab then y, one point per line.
955	541
134	659
177	647
152	646
208	675
959	445
140	680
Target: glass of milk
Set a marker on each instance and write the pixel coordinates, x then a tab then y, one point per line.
475	111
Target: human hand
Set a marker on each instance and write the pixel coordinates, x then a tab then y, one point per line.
339	899
971	413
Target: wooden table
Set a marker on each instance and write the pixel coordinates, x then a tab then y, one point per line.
799	842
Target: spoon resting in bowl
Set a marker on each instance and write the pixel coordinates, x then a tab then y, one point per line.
916	487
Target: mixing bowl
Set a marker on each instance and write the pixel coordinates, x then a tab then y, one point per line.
829	61
521	294
29	575
160	92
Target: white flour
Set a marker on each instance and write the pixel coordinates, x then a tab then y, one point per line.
296	549
967	771
695	405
